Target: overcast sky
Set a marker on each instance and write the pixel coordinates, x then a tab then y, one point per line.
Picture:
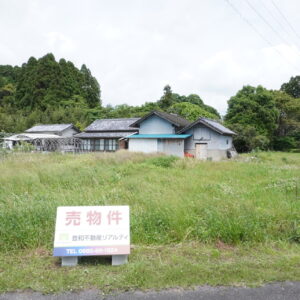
135	47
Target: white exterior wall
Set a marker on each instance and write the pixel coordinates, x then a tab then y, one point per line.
143	145
167	146
217	144
7	144
156	125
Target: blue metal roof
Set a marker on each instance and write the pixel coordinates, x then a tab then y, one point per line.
158	136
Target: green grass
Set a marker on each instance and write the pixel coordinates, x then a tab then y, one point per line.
156	267
249	203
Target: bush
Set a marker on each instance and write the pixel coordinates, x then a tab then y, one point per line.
284	143
248	139
163	161
295	150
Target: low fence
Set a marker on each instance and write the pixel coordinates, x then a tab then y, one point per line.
60	145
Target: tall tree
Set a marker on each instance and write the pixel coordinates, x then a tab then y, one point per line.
253	106
90	87
167	99
287	134
292	87
253	109
190	111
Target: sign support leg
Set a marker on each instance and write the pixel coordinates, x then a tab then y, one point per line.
69	261
117	260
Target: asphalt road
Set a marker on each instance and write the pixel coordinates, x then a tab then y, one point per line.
276	291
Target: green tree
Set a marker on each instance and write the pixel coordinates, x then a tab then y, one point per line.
252	112
289	113
190	111
167	99
45	82
292	87
255	107
90	87
287	134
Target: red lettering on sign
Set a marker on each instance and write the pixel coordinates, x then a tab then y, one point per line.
73	218
94	217
114	215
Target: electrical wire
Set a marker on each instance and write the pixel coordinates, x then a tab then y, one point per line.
261	35
266	22
274	17
286	20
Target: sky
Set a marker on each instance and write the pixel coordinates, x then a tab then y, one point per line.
135	47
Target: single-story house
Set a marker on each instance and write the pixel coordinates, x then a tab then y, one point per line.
168	133
63	130
107	134
159	132
45	137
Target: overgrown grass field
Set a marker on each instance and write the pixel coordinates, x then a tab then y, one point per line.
240	203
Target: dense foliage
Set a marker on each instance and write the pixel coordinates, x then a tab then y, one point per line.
292	87
46	91
264	119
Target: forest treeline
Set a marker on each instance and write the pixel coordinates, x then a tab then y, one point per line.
48	91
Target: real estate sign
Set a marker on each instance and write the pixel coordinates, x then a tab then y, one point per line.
92	230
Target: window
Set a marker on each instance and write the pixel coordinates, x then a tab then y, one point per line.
101	145
97	145
227	142
86	145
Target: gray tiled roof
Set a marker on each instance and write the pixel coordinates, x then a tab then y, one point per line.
172	118
49	127
217	126
91	135
112	125
212	124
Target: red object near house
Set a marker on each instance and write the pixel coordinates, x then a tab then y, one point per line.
186	154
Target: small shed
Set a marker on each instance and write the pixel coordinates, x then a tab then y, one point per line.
46	137
63	130
209	140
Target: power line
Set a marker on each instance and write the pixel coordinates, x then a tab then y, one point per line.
274	17
286	20
261	35
246	20
266	22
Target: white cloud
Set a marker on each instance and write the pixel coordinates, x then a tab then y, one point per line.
60	42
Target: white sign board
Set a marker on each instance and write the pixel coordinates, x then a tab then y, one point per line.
92	230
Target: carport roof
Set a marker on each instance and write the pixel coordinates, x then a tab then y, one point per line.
158	136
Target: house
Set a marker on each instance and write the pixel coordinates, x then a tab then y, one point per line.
107	134
208	140
63	130
45	137
168	133
159	132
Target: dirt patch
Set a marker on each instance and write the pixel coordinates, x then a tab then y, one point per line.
222	246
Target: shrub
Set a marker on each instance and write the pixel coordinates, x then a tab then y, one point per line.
284	143
163	161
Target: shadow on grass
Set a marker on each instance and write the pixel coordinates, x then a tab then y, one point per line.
95	260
